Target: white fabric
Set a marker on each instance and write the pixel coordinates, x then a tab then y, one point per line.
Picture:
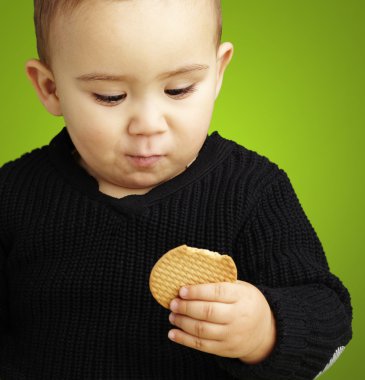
335	356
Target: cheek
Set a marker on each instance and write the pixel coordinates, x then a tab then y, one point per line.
81	111
199	117
197	111
90	129
76	114
205	101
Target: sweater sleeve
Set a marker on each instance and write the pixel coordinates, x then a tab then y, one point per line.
4	248
279	252
3	288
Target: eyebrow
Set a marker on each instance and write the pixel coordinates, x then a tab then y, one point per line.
119	78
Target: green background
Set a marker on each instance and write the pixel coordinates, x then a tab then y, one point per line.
294	92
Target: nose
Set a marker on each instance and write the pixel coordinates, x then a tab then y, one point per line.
147	119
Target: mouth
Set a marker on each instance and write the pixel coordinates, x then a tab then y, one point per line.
144	161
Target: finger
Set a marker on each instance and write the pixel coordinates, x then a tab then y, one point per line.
185	339
214	312
226	292
200	329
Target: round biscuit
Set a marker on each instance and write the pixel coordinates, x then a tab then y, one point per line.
186	265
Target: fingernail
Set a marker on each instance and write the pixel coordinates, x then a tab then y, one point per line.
172	318
171	335
174	305
183	292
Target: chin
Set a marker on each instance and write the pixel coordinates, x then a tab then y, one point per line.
149	179
143	184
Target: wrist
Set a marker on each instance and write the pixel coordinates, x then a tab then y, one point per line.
266	347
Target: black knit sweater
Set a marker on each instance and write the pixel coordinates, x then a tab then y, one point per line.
75	263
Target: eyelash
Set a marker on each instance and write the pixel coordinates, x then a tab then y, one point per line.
112	99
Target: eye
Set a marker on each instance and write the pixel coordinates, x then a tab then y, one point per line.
108	99
180	92
115	99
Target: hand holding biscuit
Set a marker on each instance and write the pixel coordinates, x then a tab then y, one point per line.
215	312
226	319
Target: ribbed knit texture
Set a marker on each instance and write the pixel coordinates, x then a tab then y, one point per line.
75	263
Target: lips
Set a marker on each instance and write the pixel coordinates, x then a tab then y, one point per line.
144	161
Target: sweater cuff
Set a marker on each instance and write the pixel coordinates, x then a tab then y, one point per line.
298	354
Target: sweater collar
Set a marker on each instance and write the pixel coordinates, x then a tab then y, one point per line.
61	148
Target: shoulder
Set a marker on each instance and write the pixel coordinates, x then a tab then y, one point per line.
251	168
28	159
246	178
23	173
21	181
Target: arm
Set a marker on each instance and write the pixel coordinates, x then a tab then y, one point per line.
4	247
279	252
2	293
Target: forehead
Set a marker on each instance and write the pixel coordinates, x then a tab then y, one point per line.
139	34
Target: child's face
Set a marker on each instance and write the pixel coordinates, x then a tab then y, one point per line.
142	41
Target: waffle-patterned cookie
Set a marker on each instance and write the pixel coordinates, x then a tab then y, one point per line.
185	265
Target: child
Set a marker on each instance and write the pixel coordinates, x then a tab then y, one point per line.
132	175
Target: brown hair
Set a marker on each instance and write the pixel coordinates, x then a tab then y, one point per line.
45	11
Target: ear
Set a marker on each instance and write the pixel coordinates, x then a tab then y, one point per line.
224	56
44	83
